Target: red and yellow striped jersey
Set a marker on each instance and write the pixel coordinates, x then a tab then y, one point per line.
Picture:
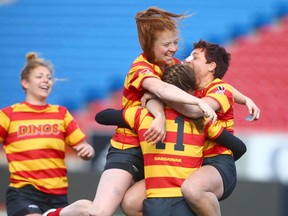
168	164
222	93
140	69
34	139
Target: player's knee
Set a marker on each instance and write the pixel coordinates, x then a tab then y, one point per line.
131	206
191	192
80	207
84	206
127	205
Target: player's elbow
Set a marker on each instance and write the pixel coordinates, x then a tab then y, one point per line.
241	150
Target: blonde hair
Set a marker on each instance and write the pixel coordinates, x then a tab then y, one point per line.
32	62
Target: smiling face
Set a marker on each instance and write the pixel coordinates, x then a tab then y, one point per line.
165	47
38	85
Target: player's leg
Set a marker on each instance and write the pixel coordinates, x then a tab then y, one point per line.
78	208
110	191
201	189
122	169
132	203
214	181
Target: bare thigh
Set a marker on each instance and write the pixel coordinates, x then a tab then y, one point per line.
110	191
132	203
208	179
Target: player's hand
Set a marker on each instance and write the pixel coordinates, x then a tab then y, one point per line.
84	150
253	110
156	131
147	96
208	112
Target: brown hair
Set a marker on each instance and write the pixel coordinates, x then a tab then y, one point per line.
151	21
183	76
33	62
215	53
180	75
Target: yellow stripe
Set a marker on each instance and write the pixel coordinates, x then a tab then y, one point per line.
190	150
49	183
167	171
5	121
34	144
164	192
75	137
34	165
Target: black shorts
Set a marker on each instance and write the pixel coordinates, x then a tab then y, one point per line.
166	206
130	160
225	165
28	200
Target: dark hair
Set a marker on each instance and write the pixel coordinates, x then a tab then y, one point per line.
215	53
183	76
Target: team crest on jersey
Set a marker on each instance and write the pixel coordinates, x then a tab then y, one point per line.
145	72
220	90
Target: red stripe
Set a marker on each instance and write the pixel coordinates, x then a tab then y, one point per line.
188	139
71	127
2	131
13	137
42	174
142	63
137	120
163	182
7	111
35	154
35	116
125	139
133	94
217	149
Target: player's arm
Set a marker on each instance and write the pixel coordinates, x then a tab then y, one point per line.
167	92
236	145
111	117
253	109
157	129
192	111
154	134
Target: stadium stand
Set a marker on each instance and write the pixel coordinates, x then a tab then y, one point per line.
92	44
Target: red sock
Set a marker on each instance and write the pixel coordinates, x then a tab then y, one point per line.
55	213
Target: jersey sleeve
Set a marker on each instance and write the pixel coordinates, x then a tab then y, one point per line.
213	130
74	134
4	122
142	74
129	115
222	93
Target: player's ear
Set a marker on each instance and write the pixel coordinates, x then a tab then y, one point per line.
24	83
212	66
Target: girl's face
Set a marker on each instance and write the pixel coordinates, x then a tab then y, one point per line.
38	86
198	60
165	47
203	70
